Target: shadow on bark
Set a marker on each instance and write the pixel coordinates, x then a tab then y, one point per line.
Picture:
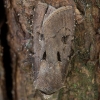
6	52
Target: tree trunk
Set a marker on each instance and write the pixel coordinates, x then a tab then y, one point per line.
17	69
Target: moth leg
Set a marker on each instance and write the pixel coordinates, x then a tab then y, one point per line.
78	16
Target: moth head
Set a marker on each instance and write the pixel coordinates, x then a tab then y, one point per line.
49	79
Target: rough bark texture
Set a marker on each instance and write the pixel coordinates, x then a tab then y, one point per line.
20	53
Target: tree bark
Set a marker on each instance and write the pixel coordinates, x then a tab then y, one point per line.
82	80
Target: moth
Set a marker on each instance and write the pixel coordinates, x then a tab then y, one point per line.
53	35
